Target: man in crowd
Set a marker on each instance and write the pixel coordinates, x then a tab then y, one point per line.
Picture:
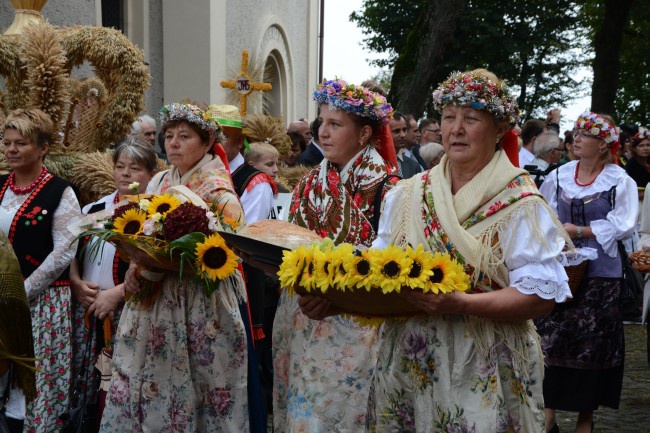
301	128
548	151
313	155
145	128
407	166
430	131
412	145
531	129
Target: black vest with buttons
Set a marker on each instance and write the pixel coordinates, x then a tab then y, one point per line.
31	228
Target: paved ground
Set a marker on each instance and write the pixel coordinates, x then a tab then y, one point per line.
633	416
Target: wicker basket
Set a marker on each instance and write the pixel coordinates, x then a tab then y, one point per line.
575	274
640	260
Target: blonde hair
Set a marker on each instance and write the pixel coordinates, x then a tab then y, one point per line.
33	124
258	150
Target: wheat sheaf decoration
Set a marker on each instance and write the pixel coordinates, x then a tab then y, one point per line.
89	114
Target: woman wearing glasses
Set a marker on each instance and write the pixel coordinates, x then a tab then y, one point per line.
582	340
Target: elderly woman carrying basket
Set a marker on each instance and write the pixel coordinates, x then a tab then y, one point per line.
472	361
180	364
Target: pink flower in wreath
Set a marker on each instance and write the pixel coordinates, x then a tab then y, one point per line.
495	208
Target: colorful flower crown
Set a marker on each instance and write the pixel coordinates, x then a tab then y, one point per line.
471	89
191	113
354	99
597	126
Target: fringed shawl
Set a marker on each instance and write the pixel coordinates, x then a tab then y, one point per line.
341	206
467	225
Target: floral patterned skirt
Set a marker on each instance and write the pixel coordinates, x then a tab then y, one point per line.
431	377
180	366
51	328
322	371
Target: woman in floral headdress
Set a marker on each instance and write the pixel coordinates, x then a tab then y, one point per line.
180	364
322	367
638	167
583	340
472	361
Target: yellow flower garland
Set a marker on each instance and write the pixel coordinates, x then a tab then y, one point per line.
321	267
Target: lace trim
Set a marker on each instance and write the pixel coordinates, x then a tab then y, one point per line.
545	289
607	178
578	256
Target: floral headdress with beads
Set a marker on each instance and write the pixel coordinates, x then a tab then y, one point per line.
597	126
192	114
471	89
354	99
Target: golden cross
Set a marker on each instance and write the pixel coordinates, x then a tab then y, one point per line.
244	85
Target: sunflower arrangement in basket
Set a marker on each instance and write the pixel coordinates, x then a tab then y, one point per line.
169	227
321	267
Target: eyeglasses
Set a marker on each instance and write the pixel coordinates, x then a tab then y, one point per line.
583	135
560	149
435	131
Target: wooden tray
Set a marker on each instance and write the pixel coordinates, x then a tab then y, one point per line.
368	303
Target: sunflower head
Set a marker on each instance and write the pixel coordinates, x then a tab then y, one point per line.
421	267
291	268
392	265
447	275
163	204
359	270
130	222
214	258
308	274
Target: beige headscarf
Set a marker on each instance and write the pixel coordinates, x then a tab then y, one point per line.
16	340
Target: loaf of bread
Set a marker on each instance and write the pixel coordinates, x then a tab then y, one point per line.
280	233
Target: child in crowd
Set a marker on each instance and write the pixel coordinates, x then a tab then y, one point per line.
263	157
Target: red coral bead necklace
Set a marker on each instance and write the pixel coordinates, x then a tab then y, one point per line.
575	176
30	187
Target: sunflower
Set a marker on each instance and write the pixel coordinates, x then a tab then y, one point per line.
421	267
325	269
358	267
214	258
163	204
338	257
293	262
448	275
307	276
391	266
130	222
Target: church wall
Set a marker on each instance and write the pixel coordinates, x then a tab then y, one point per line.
192	45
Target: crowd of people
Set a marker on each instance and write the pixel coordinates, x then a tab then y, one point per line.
512	202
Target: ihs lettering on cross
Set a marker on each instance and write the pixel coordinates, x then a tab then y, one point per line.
244	85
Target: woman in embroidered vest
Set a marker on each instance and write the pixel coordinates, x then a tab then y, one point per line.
322	368
180	364
472	361
36	208
583	340
99	290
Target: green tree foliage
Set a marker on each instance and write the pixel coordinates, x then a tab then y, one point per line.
534	45
632	103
